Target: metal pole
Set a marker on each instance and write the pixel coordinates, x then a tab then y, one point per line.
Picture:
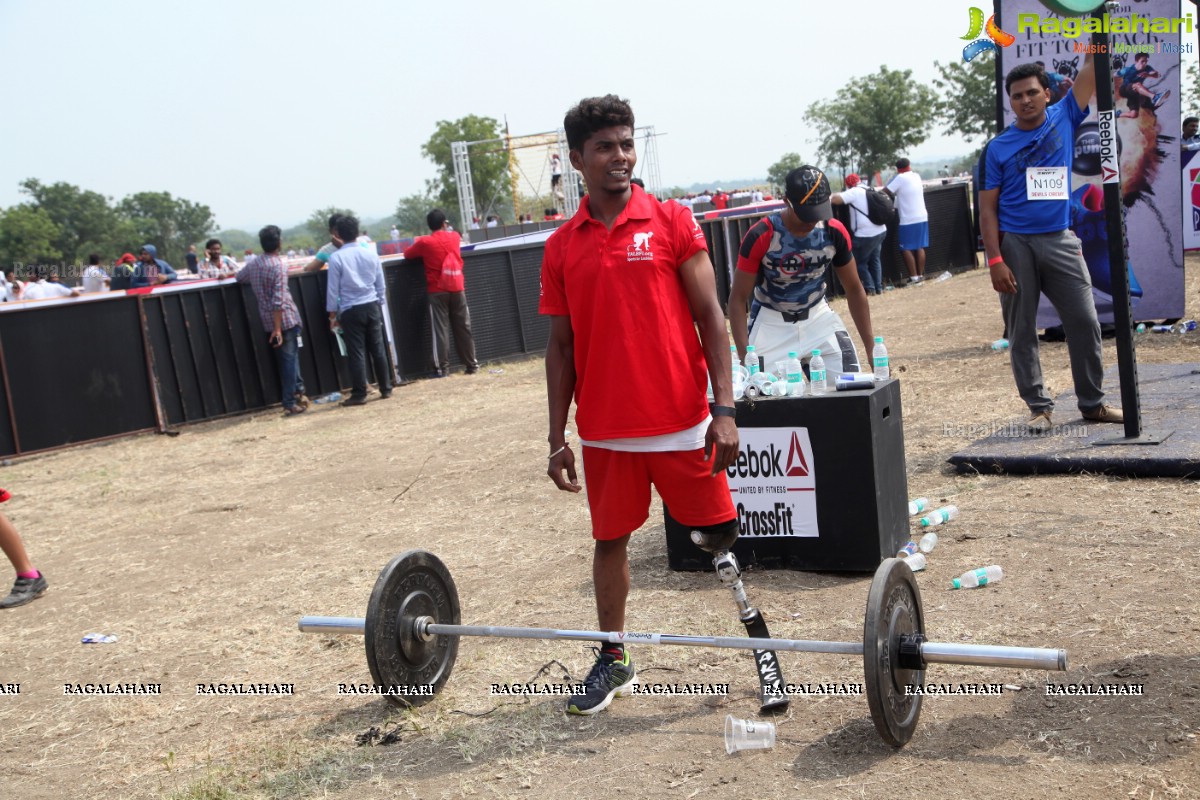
1114	213
932	652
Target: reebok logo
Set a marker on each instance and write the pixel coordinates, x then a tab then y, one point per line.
797	467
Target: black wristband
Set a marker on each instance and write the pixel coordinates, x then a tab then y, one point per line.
723	411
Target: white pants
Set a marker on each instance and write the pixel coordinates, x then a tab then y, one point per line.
772	338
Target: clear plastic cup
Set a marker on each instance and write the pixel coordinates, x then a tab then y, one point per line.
748	734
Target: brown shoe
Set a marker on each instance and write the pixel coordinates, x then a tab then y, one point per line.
1040	422
1103	413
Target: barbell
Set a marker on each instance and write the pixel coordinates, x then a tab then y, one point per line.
413	626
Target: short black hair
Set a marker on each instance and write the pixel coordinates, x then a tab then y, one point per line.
1136	56
94	260
270	237
903	163
594	114
333	221
638	181
435	219
1022	71
347	228
1186	120
211	242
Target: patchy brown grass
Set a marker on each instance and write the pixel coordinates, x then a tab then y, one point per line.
202	551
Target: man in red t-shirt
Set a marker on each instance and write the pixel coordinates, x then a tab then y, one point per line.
622	281
441	253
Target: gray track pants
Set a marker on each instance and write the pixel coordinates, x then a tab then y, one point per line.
1051	263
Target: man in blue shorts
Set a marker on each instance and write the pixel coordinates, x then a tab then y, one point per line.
1025	216
909	193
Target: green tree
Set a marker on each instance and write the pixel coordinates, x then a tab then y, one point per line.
410	213
873	120
169	223
27	236
318	222
777	172
85	221
489	165
967	106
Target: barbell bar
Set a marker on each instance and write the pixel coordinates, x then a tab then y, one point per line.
977	655
412	630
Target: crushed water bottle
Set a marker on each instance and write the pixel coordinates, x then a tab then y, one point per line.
978	577
917	506
816	374
943	514
1000	345
945	276
332	397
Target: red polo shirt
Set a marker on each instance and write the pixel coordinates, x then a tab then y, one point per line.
640	370
441	253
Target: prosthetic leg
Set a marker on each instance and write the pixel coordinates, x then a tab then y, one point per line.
717	539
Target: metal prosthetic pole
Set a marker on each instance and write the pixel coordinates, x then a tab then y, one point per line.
772	697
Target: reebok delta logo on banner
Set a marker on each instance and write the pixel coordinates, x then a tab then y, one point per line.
773	483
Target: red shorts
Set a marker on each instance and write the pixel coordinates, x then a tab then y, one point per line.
618	489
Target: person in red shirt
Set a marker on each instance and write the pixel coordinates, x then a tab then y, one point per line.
627	282
441	254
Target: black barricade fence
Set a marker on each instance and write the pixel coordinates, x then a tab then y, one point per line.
90	369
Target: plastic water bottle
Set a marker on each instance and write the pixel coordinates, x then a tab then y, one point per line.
943	514
977	577
916	562
751	359
928	542
1141	328
1000	345
945	276
795	375
329	398
917	506
816	374
879	358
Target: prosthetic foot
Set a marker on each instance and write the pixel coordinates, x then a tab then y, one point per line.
717	539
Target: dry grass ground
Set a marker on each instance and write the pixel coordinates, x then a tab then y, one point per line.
201	552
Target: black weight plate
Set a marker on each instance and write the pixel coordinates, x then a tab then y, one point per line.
415	583
893	609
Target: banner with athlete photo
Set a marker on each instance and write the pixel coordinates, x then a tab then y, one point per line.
1144	49
1189	162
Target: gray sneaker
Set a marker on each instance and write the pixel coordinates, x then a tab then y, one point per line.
609	678
25	590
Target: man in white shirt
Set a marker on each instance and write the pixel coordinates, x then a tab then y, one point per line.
42	289
909	194
868	237
95	279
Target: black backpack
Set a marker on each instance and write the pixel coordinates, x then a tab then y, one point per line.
880	208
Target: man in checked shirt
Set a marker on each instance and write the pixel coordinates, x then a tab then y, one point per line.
267	276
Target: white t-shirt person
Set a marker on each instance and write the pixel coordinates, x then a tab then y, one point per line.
910	197
861	225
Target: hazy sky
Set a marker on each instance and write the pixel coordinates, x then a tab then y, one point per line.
266	111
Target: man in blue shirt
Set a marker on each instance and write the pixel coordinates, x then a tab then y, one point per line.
354	299
1025	217
150	270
